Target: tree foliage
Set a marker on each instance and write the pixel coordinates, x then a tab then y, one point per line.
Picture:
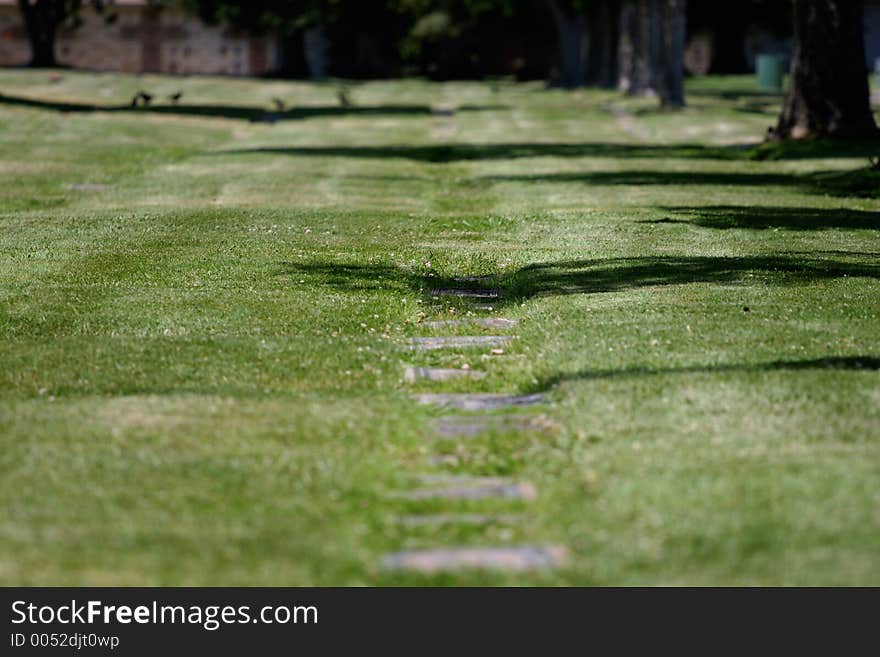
283	16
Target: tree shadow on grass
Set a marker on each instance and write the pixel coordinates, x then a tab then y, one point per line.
620	274
736	94
590	276
819	149
785	150
855	363
863	182
768	217
238	112
840	252
647	177
464	152
443	153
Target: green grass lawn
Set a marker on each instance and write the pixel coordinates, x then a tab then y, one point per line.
202	349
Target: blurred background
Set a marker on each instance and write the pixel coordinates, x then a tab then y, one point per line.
567	42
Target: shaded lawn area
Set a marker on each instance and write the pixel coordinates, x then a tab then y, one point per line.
506	151
204	320
240	112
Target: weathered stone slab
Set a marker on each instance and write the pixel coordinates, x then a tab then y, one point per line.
87	187
465	293
474	488
444	130
442	459
478	401
458	342
523	492
485	322
440	519
519	558
471	426
413	374
446	478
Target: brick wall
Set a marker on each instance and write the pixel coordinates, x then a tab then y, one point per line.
144	40
14	48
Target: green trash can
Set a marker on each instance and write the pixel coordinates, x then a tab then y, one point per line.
769	70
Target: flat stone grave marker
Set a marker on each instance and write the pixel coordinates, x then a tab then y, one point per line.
518	558
458	342
439	519
484	322
465	293
87	187
442	459
444	129
478	401
469	426
412	374
471	488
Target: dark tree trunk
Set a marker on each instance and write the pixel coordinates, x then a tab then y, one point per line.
671	70
828	90
316	48
571	32
646	49
604	24
43	48
41	20
626	45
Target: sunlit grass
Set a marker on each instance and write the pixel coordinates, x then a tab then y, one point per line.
204	320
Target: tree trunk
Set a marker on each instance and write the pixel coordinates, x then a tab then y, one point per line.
604	26
41	19
626	45
671	78
571	31
315	50
646	49
828	89
43	48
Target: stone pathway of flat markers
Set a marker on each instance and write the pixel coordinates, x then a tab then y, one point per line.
457	488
